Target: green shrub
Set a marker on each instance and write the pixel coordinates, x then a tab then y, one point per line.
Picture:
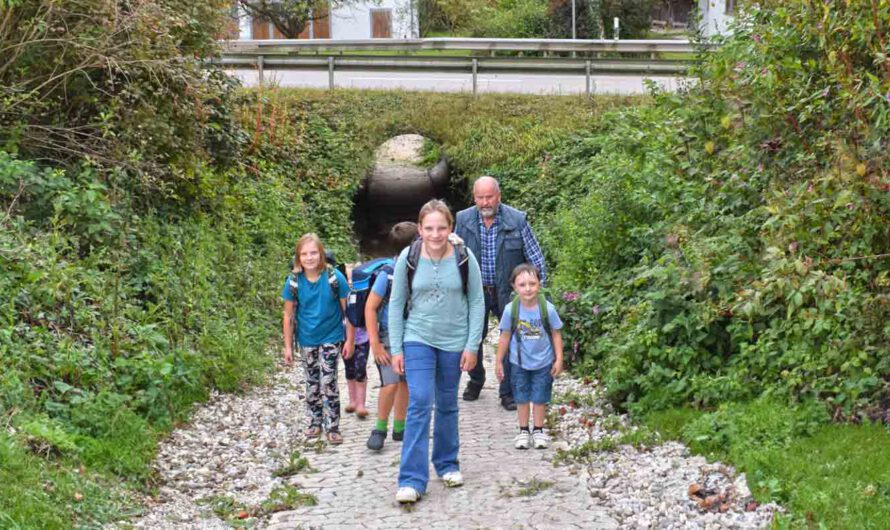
722	248
514	19
595	18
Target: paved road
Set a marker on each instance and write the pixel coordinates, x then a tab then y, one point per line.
556	84
356	487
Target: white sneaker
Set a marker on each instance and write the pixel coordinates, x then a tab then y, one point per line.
453	479
541	440
522	440
407	495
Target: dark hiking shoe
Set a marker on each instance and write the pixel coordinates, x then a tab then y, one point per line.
508	403
398	436
375	442
471	393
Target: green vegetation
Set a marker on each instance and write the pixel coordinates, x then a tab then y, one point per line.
240	515
723	251
532	487
833	476
286	498
717	248
534	18
295	464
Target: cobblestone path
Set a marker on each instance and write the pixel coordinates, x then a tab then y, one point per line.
504	487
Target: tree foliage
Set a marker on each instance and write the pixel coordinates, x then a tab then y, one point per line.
119	84
594	19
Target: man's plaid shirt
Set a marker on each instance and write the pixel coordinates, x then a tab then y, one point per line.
530	249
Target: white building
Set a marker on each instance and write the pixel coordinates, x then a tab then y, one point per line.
374	19
715	16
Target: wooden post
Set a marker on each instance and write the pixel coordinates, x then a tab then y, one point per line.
587	77
259	67
330	73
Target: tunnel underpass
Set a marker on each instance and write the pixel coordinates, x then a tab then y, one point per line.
400	181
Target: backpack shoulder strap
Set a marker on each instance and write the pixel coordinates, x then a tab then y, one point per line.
333	281
463	265
545	313
388	271
293	285
413	259
514	316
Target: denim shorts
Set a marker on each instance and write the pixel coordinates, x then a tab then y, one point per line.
531	385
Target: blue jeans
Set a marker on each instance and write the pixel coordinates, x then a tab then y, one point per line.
433	376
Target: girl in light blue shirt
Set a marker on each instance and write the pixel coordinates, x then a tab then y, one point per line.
438	339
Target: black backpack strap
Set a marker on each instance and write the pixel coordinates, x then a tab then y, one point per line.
412	261
334	283
293	285
463	265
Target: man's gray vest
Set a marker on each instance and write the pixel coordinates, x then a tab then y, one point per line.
508	244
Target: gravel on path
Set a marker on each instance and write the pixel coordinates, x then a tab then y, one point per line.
218	471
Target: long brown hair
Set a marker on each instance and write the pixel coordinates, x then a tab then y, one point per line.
435	205
310	238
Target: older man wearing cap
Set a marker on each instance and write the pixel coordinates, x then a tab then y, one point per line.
501	239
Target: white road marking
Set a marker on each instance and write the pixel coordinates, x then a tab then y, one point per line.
438	79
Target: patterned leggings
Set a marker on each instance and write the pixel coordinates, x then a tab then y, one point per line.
322	395
357	365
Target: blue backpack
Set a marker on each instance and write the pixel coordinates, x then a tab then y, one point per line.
363	278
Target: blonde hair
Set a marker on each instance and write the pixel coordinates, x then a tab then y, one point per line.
310	238
435	205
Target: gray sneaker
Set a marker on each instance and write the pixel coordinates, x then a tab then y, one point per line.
375	442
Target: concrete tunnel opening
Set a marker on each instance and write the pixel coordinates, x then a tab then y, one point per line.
408	170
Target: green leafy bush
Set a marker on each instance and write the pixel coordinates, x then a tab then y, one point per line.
514	19
731	239
594	19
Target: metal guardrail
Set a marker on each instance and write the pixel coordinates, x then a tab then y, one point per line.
285	46
323	54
